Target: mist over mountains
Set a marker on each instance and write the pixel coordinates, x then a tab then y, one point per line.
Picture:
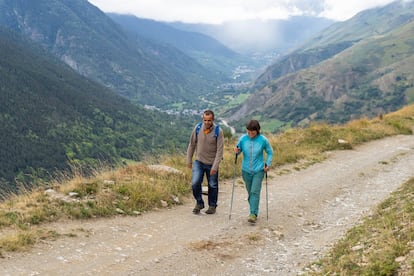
264	36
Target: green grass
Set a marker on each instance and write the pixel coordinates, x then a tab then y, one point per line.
271	125
135	188
410	95
235	101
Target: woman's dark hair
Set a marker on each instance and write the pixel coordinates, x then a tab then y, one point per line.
253	125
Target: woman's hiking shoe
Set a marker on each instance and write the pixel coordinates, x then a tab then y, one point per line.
211	210
252	218
197	209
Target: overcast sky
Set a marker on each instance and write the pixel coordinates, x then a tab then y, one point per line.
218	11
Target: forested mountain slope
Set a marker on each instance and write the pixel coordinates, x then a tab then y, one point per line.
86	39
51	119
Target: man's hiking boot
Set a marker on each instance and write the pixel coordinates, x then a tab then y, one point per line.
197	209
252	218
211	210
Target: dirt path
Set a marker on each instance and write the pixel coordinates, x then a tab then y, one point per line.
308	211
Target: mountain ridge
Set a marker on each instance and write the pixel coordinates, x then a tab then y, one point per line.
339	81
90	42
53	120
206	50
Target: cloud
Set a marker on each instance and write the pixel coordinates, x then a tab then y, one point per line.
342	10
219	11
306	7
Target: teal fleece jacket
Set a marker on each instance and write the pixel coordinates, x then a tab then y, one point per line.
253	152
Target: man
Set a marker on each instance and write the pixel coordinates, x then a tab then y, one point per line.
207	141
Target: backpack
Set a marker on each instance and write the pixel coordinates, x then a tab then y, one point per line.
216	131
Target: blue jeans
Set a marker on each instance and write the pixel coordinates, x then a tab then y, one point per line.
198	171
253	182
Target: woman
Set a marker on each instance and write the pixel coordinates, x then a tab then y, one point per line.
253	145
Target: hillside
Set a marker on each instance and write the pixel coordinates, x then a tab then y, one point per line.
353	69
308	211
365	24
86	39
206	50
339	36
52	119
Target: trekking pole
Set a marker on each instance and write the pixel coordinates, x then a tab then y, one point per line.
234	181
267	201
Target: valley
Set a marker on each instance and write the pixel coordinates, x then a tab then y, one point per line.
78	85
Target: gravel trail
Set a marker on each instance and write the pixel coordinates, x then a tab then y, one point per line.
308	209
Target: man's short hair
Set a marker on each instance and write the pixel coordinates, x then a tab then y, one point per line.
209	112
